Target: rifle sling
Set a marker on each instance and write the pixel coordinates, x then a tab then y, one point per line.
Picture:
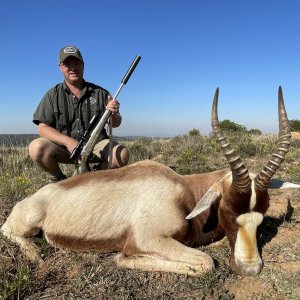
67	114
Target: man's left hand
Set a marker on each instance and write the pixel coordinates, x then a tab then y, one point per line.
113	105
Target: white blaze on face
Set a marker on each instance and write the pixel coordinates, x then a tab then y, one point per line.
247	257
245	250
253	195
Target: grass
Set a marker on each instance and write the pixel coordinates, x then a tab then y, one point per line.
70	275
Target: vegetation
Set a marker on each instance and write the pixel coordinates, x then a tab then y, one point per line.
227	125
70	275
194	132
295	125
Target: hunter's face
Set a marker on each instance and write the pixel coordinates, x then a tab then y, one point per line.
72	69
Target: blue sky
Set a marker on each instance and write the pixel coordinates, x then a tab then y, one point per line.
188	48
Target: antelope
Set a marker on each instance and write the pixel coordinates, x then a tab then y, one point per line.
153	217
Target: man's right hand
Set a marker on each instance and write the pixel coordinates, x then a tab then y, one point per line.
71	144
55	136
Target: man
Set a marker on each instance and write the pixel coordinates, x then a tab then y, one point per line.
64	114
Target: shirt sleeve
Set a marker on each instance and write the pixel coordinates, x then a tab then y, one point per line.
45	112
106	96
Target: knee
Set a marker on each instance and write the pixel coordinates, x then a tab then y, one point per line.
38	148
125	156
122	155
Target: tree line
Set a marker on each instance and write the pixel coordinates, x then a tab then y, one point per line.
227	125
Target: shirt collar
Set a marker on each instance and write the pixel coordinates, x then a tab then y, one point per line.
86	88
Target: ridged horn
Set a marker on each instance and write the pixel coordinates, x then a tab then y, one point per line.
240	175
263	178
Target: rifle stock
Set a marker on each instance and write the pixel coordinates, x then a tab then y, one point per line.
92	141
77	150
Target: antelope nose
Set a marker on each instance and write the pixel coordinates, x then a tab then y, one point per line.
249	268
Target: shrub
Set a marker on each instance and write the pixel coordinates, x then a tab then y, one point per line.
227	125
194	132
295	124
255	131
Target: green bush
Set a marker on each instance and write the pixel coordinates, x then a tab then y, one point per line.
295	124
194	132
254	131
227	125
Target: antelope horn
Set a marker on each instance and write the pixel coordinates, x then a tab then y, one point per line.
240	175
263	178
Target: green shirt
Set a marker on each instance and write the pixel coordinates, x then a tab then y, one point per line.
62	110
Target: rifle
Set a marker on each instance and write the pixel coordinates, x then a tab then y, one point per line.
83	152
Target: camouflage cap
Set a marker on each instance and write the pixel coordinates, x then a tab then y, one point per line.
67	51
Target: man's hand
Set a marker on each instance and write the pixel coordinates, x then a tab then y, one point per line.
71	144
52	134
113	105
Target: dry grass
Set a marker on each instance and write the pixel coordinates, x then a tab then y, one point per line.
69	275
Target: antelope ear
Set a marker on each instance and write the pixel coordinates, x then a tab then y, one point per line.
209	198
281	184
212	220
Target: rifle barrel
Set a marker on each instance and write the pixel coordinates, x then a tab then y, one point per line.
128	74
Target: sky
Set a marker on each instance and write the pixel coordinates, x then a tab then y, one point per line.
188	48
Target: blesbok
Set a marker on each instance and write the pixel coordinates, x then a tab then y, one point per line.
153	216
